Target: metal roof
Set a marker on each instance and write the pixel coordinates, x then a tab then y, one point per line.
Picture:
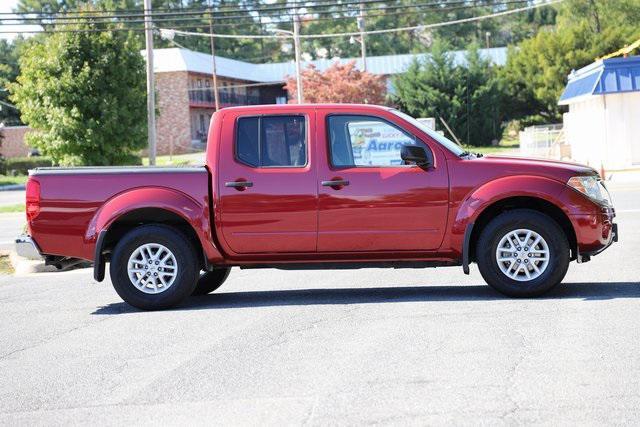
615	75
177	59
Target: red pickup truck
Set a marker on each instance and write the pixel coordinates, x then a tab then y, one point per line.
323	187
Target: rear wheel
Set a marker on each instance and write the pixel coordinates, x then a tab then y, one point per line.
523	253
154	267
211	280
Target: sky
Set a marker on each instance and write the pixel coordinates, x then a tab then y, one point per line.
7	6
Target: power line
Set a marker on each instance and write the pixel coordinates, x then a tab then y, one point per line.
258	20
178	11
139	14
269	36
384	31
317	3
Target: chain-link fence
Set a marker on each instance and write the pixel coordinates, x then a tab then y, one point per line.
546	141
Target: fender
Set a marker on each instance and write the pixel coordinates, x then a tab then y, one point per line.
493	191
181	204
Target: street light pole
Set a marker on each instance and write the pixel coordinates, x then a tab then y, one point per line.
363	46
213	56
296	44
151	96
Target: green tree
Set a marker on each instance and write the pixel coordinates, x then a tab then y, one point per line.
84	95
466	96
8	72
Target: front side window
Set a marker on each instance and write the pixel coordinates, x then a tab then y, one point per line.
366	141
271	141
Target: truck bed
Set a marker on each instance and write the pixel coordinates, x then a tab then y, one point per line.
71	200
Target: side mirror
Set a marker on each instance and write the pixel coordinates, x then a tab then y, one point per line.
416	154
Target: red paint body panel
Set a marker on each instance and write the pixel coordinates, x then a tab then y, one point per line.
395	208
395	213
279	213
76	207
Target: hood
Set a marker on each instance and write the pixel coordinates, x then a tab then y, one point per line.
551	168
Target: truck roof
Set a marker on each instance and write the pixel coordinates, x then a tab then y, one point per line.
307	107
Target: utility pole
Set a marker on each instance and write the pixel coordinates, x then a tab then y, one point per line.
151	95
216	98
363	46
296	44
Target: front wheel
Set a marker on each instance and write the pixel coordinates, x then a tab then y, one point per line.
523	253
154	267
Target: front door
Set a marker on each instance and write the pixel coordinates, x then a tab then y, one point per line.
368	199
267	185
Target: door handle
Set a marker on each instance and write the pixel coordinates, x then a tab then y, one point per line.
239	185
336	183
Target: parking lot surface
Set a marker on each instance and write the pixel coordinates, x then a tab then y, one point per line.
331	347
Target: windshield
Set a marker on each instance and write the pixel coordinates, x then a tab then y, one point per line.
450	145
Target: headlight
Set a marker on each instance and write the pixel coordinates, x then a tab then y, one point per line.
592	187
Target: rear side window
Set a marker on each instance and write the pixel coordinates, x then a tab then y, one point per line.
271	141
247	141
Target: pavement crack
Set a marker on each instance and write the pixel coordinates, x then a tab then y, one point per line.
511	377
51	338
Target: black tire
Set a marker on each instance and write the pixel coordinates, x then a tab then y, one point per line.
209	281
559	252
186	260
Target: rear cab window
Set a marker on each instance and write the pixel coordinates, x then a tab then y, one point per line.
272	141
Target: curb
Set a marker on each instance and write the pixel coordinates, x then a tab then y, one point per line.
14	187
23	266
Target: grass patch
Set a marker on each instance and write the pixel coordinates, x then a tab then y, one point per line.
498	149
12	208
507	147
178	160
5	264
13	180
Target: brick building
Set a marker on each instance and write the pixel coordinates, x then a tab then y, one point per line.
185	97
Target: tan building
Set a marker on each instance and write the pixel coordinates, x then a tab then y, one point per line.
13	141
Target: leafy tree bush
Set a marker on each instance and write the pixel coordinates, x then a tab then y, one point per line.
21	165
8	73
343	83
84	95
467	96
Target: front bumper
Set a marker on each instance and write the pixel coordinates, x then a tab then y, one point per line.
26	247
582	257
608	232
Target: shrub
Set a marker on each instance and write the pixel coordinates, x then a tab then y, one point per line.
21	165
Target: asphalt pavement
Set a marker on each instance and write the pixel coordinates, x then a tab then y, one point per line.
11	225
381	346
12	197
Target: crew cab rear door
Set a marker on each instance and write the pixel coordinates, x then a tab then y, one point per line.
370	201
267	183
